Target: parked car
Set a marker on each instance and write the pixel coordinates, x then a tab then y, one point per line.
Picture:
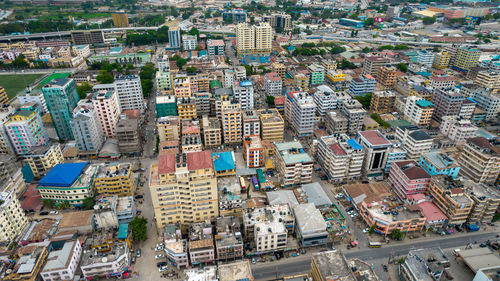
44	213
385	268
54	212
253	260
159	245
163	268
160	264
366	230
138	252
159	256
139	196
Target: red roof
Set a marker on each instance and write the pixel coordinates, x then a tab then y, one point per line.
337	149
431	212
32	199
279	100
443	78
374	137
166	163
412	170
456	191
273	76
199	160
132	113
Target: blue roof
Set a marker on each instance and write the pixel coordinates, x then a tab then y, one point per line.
354	144
424	103
471	100
223	161
123	231
425	73
63	175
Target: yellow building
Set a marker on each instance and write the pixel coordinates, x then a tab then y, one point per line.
329	64
301	81
4	99
12	217
192	178
212	132
120	20
335	75
383	102
231	122
451	200
441	60
182	86
201	82
255	39
279	68
488	79
186	108
466	58
480	160
272	124
168	128
115	179
28	262
42	158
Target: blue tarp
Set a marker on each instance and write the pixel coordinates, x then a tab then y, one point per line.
223	161
354	144
63	175
123	231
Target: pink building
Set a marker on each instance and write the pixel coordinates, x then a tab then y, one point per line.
407	178
201	243
107	110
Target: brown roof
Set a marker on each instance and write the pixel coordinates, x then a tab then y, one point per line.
456	191
412	170
166	163
199	160
484	143
374	192
75	219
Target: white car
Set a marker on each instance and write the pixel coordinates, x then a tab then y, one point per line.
159	245
160	256
163	268
53	212
157	249
366	230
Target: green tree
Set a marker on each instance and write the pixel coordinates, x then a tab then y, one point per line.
139	229
180	63
429	20
48	203
372	229
20	62
397	234
435	49
401	47
105	77
402	67
83	89
63	205
191	69
270	100
379	120
365	100
369	22
366	50
147	87
196	32
88	203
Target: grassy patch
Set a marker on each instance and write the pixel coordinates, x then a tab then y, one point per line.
496	218
75	15
17	82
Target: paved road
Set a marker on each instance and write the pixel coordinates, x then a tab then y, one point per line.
302	264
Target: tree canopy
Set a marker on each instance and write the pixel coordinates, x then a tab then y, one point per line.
139	229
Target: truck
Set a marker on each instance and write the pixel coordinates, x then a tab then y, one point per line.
255	183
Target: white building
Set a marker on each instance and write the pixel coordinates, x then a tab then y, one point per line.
303	114
467	109
128	90
251	123
270	236
273	84
243	92
82	51
12	217
457	129
326	99
108	264
442	82
228	78
62	264
418	111
487	101
425	57
415	141
355	114
85	126
36	98
188	42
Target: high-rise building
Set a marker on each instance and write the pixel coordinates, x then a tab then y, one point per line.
5	146
376	148
415	141
316	74
371	65
386	77
466	58
120	20
184	173
12	217
168	128
107	110
273	84
253	151
251	123
326	99
42	158
243	92
86	130
212	132
446	102
293	164
487	101
234	16
174	37
91	37
383	101
231	122
215	47
355	114
281	20
25	129
392	12
61	97
442	82
425	57
407	178
457	129
127	135
418	111
4	99
450	199
255	39
115	179
486	202
362	85
166	106
441	60
272	124
182	86
129	92
341	157
489	79
186	108
480	160
163	76
303	114
188	42
279	68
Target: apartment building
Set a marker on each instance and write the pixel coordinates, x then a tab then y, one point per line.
201	243
326	99
417	263
12	217
335	76
301	80
446	102
486	202
28	262
243	92
442	82
166	106
383	102
255	39
253	151
176	248
487	101
438	163
279	68
68	182
330	265
451	200
212	132
355	114
418	111
42	158
129	92
280	20
215	47
376	148
182	86
109	264
425	57
231	122
115	179
269	226
62	263
341	157
61	97
168	128
163	75
86	130
489	79
107	109
310	226
25	129
190	175
228	238
362	85
4	99
480	160
372	64
272	84
202	101
303	114
5	146
415	141
441	60
466	58
293	163
186	108
386	76
188	42
457	129
190	136
251	123
127	134
336	122
316	74
272	124
407	178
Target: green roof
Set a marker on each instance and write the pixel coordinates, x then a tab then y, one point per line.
52	77
215	84
424	103
123	231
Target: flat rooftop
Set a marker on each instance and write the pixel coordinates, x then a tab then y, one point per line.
282	197
309	219
112	170
479	258
90	258
235	271
313	193
374	138
333	266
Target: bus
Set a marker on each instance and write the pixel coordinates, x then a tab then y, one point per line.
243	184
375	245
260	176
255	182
